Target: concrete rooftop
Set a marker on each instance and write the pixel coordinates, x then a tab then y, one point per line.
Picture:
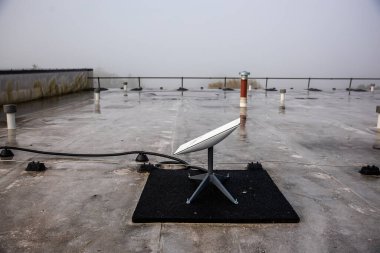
312	150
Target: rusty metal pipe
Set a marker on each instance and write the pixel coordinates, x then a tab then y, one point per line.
243	88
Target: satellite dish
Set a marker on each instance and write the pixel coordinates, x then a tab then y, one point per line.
209	140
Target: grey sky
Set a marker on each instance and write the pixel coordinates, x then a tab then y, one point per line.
217	38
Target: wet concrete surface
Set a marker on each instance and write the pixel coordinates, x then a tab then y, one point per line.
313	151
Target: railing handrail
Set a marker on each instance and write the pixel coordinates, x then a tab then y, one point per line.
139	78
229	77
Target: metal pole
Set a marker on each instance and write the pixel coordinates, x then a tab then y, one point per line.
349	88
182	82
243	88
98	82
243	119
210	160
225	82
139	83
10	111
266	83
282	98
308	84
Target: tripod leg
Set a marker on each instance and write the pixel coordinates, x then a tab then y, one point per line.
201	186
198	177
221	177
219	185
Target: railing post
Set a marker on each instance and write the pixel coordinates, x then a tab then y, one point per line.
308	84
349	88
139	82
182	82
266	85
98	83
225	82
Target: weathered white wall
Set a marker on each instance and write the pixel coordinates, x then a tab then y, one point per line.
21	86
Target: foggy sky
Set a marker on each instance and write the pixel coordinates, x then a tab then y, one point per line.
317	38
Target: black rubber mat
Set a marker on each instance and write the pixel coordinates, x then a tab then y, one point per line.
260	201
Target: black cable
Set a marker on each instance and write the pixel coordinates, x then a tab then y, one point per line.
95	155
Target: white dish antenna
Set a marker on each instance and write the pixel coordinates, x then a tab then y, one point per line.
208	140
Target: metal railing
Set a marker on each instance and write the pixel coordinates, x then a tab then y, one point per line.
225	78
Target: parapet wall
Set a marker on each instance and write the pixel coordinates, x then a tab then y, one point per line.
24	85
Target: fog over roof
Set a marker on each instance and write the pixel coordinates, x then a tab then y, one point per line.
206	38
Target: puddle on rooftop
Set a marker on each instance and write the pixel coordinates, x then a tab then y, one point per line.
118	107
208	99
213	106
165	99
